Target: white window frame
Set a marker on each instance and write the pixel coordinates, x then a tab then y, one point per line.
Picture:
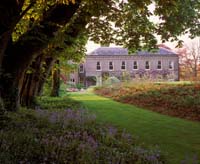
110	65
123	65
172	65
159	64
134	65
98	65
146	65
81	68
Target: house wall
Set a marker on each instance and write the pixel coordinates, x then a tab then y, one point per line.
73	78
91	61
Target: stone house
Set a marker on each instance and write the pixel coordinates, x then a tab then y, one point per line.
117	62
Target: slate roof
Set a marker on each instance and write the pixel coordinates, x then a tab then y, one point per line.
160	51
107	51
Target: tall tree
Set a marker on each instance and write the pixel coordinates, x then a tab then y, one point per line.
123	22
28	46
70	41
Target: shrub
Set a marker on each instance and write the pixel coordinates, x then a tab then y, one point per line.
60	103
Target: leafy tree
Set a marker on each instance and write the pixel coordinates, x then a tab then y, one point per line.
27	47
189	57
70	40
28	28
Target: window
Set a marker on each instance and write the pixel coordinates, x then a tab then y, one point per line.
98	66
111	66
171	65
81	68
135	65
123	66
159	66
147	65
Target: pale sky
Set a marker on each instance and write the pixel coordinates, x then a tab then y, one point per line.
90	46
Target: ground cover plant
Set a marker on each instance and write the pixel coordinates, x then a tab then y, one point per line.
58	103
68	136
180	100
177	138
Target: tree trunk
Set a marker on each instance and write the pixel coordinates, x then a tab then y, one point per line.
55	81
195	69
30	83
25	50
3	45
49	62
2	114
10	92
9	17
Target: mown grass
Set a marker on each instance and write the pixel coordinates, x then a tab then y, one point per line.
178	138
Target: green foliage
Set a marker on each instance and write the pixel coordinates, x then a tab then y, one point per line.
134	29
80	86
47	87
62	90
34	14
178	17
123	23
60	103
111	80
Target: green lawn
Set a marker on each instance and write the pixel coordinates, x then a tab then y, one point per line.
178	137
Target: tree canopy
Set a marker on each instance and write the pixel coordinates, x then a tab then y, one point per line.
31	30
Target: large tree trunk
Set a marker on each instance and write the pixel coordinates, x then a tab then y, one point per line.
10	92
55	80
25	50
31	83
9	16
34	80
2	114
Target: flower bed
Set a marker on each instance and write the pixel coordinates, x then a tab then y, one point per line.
71	137
181	100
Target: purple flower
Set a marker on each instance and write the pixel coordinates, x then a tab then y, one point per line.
91	141
112	131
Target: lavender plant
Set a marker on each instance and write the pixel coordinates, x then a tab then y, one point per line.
71	137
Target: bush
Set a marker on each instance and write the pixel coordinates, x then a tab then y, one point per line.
80	86
111	80
52	103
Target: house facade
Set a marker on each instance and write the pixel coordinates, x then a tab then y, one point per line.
117	62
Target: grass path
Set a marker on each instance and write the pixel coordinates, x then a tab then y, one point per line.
180	138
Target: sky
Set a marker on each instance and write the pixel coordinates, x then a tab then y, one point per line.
90	46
